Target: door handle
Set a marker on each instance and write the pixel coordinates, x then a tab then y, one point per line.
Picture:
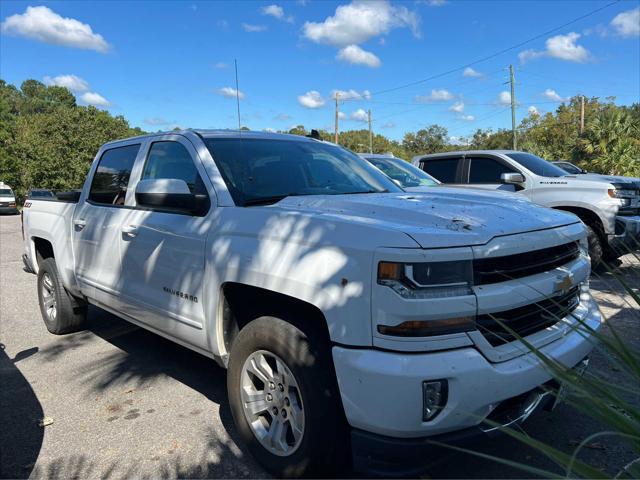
130	231
80	223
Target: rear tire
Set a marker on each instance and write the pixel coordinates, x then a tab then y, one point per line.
61	312
298	366
595	246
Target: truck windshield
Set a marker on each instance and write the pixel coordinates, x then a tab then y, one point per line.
264	171
6	192
569	168
537	165
403	172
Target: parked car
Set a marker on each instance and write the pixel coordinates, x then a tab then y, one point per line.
572	169
40	193
353	317
7	199
404	174
609	209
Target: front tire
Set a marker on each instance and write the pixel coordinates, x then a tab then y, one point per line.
61	312
284	399
595	246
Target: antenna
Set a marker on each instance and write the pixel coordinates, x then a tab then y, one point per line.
237	95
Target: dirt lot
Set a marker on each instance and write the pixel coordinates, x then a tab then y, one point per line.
125	402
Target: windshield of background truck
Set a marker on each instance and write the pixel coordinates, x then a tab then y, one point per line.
6	192
270	169
405	173
537	165
569	168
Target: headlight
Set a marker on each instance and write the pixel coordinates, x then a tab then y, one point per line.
622	193
427	280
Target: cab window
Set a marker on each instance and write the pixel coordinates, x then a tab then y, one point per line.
487	170
170	159
110	181
443	169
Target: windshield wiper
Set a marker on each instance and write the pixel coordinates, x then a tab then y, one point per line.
366	191
263	200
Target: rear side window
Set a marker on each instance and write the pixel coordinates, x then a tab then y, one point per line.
442	169
172	160
487	170
109	185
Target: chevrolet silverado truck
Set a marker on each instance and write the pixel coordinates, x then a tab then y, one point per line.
354	318
609	208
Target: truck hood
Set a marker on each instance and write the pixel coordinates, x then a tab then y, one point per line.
445	217
609	178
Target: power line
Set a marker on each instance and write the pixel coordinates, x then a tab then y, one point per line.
496	54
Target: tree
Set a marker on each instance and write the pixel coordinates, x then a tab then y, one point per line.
432	139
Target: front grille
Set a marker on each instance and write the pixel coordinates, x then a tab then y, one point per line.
528	319
499	269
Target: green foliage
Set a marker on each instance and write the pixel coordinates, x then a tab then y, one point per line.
47	140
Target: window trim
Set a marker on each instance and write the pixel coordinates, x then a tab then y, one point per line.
93	172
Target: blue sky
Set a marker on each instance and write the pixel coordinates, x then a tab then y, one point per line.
165	64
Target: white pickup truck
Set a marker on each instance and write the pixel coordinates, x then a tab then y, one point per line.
353	317
609	208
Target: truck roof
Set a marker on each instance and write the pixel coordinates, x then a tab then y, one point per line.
220	133
464	152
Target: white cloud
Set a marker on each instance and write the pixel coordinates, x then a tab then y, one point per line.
627	24
276	11
45	25
270	130
230	92
504	98
249	27
470	72
434	3
351	94
95	99
359	115
436	95
533	110
563	47
221	65
457	107
72	82
311	99
553	95
389	124
342	115
360	21
157	121
357	56
468	118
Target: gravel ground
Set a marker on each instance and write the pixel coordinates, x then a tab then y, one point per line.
127	403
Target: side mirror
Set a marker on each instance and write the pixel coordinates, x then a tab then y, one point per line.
165	193
512	178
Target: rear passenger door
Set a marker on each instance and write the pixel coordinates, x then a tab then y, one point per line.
163	251
485	172
97	221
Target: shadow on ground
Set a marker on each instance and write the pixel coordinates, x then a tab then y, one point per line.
20	411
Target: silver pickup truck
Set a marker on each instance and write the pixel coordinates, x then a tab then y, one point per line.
609	208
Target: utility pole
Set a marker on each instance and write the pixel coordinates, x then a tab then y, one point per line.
370	134
581	114
513	107
337	112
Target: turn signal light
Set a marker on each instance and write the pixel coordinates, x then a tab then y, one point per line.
426	328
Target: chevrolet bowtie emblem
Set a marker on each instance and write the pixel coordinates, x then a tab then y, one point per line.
564	284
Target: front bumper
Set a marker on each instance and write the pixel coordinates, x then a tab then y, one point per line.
627	236
4	209
381	391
